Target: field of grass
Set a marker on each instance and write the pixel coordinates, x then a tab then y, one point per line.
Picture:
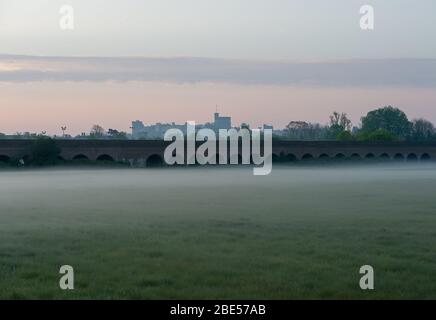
300	233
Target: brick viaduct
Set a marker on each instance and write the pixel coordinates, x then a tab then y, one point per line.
145	152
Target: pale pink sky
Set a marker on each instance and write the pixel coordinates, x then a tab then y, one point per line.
45	105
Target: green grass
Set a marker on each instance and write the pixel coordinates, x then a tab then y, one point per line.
300	233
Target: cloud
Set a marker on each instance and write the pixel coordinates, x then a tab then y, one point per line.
358	72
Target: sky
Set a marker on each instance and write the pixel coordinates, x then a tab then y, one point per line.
260	61
257	29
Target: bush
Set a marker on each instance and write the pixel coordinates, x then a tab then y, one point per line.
375	136
345	136
45	151
388	119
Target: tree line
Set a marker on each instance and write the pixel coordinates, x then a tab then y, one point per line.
96	132
383	124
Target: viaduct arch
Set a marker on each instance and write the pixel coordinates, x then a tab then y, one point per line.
143	153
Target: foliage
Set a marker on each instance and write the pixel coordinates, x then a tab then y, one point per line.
115	134
340	120
345	136
334	131
97	131
45	151
422	130
389	119
300	130
339	123
378	135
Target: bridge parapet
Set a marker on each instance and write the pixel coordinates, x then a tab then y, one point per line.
139	152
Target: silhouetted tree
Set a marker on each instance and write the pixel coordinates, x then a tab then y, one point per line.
300	130
339	123
115	134
378	135
345	136
390	119
45	151
340	120
97	131
422	130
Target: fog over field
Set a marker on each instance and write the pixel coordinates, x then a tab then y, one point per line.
301	232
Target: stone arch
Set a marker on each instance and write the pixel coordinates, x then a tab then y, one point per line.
80	157
105	157
324	156
275	158
307	156
399	157
370	156
60	158
412	157
425	157
154	161
355	156
290	157
340	156
4	158
385	156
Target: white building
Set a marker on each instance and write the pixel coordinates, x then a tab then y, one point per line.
222	122
157	131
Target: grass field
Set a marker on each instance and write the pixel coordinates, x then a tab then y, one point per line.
302	232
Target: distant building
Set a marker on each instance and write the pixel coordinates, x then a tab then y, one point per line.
137	129
152	132
157	131
222	122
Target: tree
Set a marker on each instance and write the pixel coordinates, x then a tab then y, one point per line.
301	130
97	131
422	130
390	119
115	134
297	129
345	136
45	151
379	135
339	122
63	128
